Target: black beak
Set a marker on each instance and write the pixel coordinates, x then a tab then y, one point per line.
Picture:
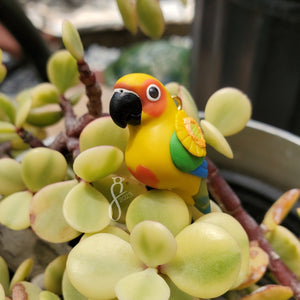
125	108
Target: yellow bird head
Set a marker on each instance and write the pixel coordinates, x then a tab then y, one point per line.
138	96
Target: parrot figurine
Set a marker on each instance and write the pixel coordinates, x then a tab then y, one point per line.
166	148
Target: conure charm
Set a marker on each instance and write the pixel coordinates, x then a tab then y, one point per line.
166	147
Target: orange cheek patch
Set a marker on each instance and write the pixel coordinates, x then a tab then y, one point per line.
145	176
156	108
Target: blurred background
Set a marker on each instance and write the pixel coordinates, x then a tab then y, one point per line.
253	45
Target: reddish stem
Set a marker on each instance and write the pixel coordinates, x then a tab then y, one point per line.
92	88
29	138
230	203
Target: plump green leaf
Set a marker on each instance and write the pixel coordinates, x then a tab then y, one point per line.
62	70
14	210
103	131
128	12
47	295
46	215
188	103
162	206
287	245
150	18
43	94
97	263
176	293
119	191
108	158
153	243
54	273
21	273
3	72
2	292
69	291
7	108
44	117
229	110
214	138
207	261
24	102
42	166
72	41
86	209
10	177
7	128
4	276
144	285
232	226
112	229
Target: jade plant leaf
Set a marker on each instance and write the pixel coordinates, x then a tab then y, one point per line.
47	295
46	214
41	117
7	109
119	191
150	18
278	211
54	273
229	110
96	264
43	94
4	275
214	138
21	273
232	226
62	70
7	128
270	292
162	206
128	12
258	264
69	291
153	243
24	102
3	72
42	166
115	230
108	158
14	210
86	209
287	245
188	103
144	285
2	292
103	131
207	261
26	290
72	41
10	177
176	293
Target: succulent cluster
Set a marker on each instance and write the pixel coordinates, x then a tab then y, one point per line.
130	243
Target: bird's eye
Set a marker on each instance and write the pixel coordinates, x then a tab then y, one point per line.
153	92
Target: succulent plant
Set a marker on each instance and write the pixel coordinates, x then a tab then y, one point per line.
129	242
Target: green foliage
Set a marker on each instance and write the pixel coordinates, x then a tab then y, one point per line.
62	70
72	41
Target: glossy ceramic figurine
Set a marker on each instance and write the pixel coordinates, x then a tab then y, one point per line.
166	148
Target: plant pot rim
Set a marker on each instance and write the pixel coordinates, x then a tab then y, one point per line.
264	152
